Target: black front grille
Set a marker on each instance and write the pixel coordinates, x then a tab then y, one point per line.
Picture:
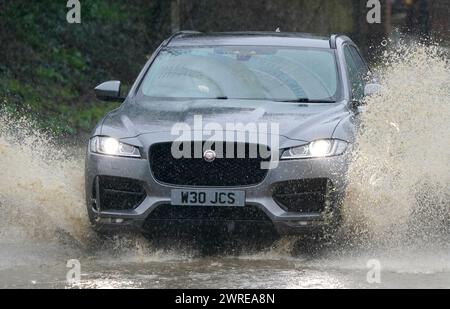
302	196
205	213
222	172
115	193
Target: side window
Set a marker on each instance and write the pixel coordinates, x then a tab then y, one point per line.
354	74
361	64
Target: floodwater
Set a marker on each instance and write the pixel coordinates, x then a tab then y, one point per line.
397	211
34	265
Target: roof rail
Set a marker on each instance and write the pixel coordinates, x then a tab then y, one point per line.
333	39
178	33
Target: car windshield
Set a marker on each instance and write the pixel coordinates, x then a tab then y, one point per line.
253	73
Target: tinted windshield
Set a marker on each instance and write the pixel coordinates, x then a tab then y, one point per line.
271	73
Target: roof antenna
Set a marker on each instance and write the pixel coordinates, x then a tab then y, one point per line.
278	30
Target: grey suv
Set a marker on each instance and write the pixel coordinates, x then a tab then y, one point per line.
229	129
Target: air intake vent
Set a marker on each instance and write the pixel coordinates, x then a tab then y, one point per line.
302	196
114	193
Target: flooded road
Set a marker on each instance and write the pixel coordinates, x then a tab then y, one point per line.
396	232
132	266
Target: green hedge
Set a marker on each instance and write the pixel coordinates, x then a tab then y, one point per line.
48	67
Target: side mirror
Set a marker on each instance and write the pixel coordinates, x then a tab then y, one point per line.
372	89
108	91
369	90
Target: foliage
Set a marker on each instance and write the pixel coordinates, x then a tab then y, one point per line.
48	67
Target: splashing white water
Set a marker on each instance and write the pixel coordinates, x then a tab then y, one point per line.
41	188
399	188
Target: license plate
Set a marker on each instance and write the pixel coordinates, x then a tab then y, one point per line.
208	198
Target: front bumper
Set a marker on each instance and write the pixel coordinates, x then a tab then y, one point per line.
260	196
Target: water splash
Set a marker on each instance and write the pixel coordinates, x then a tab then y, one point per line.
399	190
41	186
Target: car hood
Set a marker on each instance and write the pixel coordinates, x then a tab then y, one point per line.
297	121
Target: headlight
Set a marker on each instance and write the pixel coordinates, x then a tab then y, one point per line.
317	149
112	147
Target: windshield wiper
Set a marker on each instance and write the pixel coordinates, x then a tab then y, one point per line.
306	100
